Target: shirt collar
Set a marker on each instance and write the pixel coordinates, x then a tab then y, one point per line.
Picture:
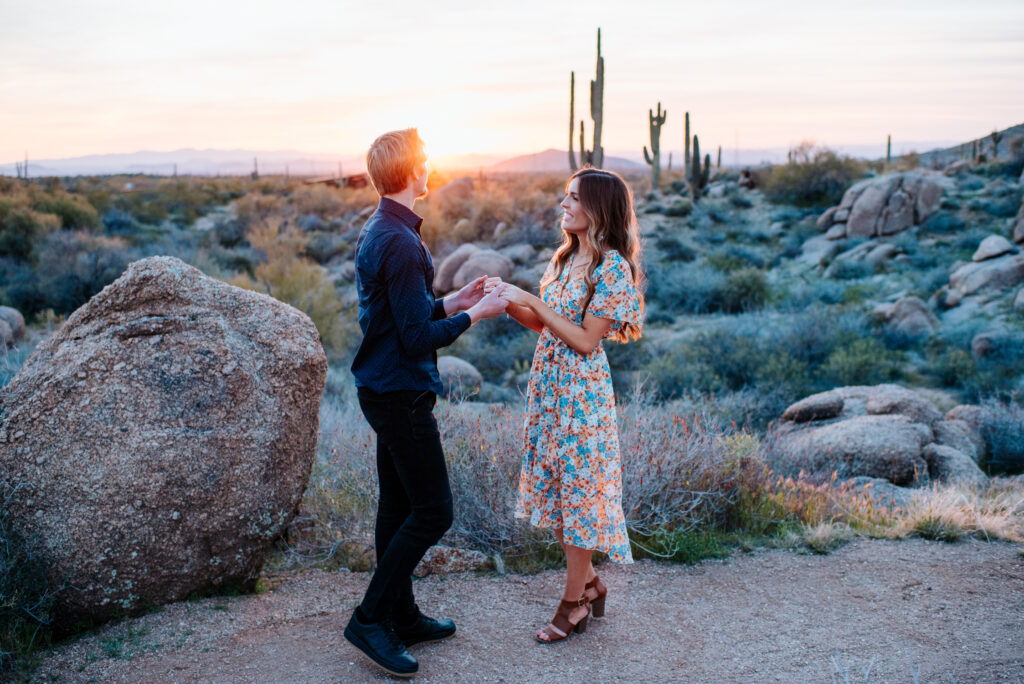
406	216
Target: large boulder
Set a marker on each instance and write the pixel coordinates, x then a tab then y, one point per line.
483	262
910	316
450	266
879	431
1018	223
992	274
6	335
160	440
452	195
884	205
15	320
458	376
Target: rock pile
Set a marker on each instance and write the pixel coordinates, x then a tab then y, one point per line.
882	206
882	431
161	439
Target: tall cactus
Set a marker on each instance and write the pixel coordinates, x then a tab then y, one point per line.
686	141
996	137
718	165
654	158
888	150
594	156
572	119
698	178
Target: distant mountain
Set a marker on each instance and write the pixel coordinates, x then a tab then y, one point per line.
197	162
558	160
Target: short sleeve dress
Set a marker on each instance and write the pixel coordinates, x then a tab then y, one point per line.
571	476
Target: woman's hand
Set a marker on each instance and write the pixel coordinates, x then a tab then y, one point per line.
491	284
517	296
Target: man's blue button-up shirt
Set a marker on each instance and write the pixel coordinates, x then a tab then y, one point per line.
403	324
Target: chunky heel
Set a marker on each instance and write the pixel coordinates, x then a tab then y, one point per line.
562	626
596	603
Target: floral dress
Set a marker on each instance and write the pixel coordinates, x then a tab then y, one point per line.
571	476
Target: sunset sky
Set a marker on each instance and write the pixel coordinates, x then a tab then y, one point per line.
326	77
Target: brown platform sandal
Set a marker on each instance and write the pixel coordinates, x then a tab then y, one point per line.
597	603
561	621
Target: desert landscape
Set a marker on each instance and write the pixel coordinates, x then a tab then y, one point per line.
822	426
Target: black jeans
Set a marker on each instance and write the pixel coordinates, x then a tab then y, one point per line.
415	507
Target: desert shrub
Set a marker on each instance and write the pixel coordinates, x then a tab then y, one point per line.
318	199
845	269
1000	207
813	177
75	212
256	207
322	247
496	348
675	249
943	222
73	266
1002	428
289	277
120	222
21	228
732	257
743	290
26	601
862	361
11	361
692	288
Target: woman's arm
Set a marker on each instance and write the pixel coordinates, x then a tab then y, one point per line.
581	338
525	317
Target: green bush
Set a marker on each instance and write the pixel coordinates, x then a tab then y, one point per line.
813	177
743	290
21	228
75	212
863	361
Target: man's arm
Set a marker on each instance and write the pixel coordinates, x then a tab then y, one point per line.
413	307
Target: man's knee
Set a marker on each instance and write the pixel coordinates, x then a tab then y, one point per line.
437	518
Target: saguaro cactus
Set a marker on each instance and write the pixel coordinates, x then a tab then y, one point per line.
594	156
718	165
698	177
686	143
996	137
888	150
654	158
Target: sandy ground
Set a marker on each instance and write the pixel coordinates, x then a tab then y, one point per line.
950	612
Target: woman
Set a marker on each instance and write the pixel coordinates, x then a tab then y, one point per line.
570	479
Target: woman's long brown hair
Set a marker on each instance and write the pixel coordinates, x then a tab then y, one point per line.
608	203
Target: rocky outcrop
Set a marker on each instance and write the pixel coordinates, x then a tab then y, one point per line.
161	439
15	321
880	431
458	376
449	267
450	196
991	274
483	262
909	316
883	206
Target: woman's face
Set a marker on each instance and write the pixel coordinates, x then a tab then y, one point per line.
574	219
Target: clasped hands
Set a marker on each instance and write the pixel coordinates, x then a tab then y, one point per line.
507	291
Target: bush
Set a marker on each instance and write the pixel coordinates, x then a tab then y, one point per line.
26	601
74	266
75	212
1002	428
743	290
863	361
21	228
814	177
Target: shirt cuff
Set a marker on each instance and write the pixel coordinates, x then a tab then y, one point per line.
439	309
464	320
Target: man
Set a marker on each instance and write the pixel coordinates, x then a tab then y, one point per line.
397	382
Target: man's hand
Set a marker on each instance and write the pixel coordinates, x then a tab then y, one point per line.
490	306
491	283
469	295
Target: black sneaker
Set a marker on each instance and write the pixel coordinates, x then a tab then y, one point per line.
379	642
425	630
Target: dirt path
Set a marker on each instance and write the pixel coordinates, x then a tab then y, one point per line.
948	609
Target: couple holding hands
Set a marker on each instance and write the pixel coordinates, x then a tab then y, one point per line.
570	480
